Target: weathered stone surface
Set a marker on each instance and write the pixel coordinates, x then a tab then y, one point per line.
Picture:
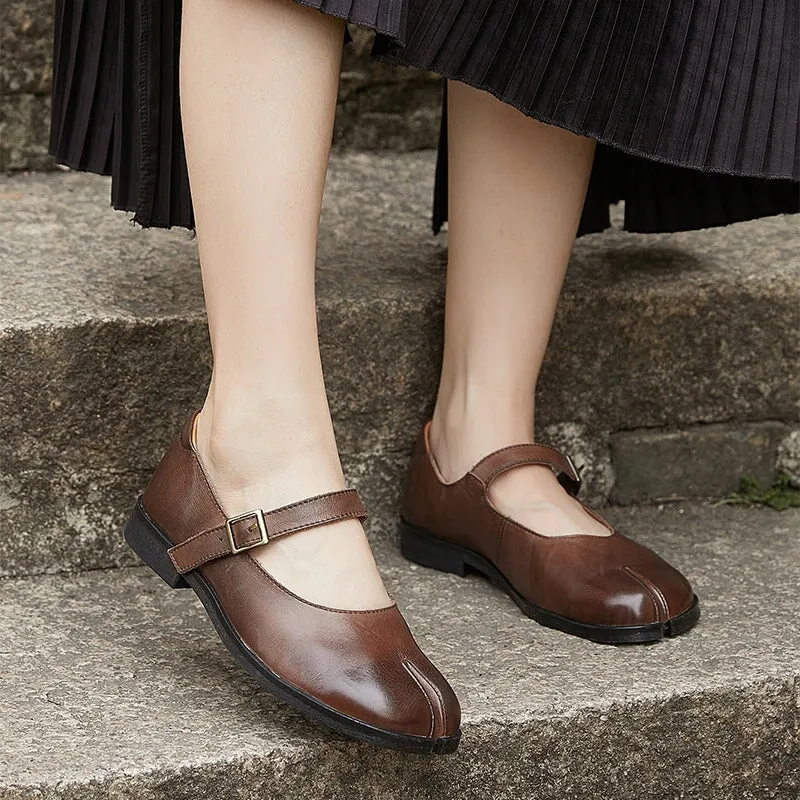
789	457
55	520
103	343
24	131
26	46
706	461
111	686
382	108
591	457
668	349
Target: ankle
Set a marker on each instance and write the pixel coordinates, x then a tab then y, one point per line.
462	434
263	458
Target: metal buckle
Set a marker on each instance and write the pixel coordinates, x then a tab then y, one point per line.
262	528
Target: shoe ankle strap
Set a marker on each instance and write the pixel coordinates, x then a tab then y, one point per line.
257	527
518	455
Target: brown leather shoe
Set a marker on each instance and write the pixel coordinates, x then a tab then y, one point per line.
605	588
358	672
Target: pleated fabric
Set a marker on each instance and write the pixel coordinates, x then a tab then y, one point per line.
115	103
695	103
386	17
84	84
115	98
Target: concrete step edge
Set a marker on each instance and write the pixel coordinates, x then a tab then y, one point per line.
712	714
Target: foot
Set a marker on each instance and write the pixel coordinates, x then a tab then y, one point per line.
606	588
530	495
331	565
358	672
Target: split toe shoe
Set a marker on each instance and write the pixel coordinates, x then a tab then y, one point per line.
358	672
609	589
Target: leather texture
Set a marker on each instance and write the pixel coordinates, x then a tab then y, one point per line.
258	527
363	664
597	580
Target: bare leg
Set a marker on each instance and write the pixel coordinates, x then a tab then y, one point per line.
516	192
258	94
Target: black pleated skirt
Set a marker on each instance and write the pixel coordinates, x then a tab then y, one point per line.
695	104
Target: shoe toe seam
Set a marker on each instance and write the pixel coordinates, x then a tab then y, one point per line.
653	592
410	669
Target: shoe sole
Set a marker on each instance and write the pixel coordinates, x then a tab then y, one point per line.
428	550
150	543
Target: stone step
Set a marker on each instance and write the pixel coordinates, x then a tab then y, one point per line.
113	686
677	350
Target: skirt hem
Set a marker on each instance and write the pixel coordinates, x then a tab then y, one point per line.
607	141
117	113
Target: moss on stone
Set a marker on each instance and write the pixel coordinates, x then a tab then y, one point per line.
780	495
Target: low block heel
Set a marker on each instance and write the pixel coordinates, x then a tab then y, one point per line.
149	544
429	551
